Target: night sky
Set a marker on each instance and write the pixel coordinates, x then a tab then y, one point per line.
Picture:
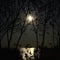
15	12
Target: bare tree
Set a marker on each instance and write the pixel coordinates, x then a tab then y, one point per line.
0	34
50	15
11	19
10	26
58	34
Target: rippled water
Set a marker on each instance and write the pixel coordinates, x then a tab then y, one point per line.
27	53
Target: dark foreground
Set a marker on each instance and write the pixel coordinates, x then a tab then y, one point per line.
50	54
9	54
14	54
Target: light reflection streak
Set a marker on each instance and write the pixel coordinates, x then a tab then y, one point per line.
27	53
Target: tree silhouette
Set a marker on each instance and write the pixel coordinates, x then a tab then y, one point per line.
13	12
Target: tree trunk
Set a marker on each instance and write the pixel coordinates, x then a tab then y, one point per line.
0	34
43	36
41	49
11	35
37	39
8	36
53	35
58	37
19	40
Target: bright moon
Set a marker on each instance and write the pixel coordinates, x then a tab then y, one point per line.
30	18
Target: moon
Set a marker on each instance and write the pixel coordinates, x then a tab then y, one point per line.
29	18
